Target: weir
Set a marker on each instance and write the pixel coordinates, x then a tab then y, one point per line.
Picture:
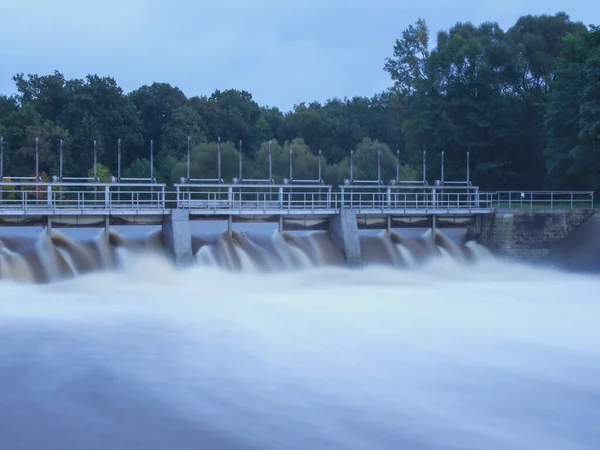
499	221
295	204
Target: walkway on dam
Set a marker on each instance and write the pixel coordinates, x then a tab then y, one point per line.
149	202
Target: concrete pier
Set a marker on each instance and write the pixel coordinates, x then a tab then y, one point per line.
177	236
343	229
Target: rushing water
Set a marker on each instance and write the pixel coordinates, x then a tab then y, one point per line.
453	351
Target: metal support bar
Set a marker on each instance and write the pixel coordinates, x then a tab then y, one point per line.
240	163
468	169
270	163
106	225
151	160
188	161
320	174
119	159
219	159
424	167
60	157
95	162
442	175
37	158
1	157
49	225
379	166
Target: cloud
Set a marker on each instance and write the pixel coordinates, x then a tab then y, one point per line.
282	52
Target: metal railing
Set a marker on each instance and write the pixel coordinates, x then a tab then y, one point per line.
81	196
255	197
315	198
410	201
31	197
415	197
543	200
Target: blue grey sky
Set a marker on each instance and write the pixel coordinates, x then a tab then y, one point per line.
283	52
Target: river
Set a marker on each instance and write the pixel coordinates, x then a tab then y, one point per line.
443	355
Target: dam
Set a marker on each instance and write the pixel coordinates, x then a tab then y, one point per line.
518	225
524	226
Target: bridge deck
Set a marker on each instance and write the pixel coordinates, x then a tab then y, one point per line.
134	202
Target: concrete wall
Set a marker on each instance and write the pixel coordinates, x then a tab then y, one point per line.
177	236
528	235
580	251
343	229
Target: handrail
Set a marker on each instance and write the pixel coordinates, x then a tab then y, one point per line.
233	198
543	199
69	184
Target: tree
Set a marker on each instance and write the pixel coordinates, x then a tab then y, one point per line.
407	66
102	173
156	104
204	162
573	114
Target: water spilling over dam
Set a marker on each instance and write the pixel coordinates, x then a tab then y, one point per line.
54	256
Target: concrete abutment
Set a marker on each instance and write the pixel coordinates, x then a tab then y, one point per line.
177	236
343	229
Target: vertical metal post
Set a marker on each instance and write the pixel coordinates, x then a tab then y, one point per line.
37	158
106	225
229	224
240	174
151	160
280	223
468	169
320	177
60	158
351	166
442	176
270	163
378	166
1	157
424	167
95	162
291	174
219	159
49	225
572	201
188	161
398	165
119	160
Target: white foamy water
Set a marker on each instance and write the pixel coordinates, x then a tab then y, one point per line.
445	356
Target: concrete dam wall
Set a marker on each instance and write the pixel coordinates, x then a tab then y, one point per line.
542	236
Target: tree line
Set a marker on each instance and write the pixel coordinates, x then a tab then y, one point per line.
524	102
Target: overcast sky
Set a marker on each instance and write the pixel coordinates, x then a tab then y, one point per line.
282	51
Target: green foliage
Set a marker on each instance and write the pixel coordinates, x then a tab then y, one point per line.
573	114
204	162
102	172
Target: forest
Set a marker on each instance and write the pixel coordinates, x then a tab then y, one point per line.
524	102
